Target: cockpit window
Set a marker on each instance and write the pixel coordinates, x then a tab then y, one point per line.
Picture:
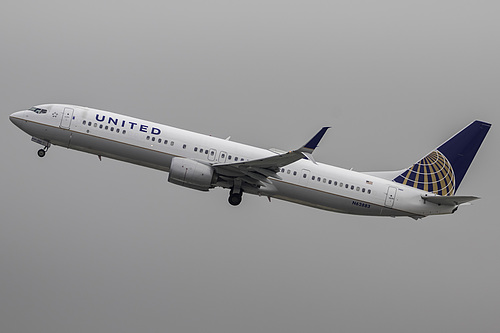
38	110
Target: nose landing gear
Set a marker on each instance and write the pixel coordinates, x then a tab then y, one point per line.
44	143
41	152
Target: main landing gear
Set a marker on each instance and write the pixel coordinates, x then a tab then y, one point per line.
235	194
235	198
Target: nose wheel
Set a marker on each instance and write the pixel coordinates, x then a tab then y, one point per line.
43	151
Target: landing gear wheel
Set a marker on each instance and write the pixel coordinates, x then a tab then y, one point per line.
41	152
235	199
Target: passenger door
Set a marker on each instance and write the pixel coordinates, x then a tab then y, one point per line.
67	116
391	196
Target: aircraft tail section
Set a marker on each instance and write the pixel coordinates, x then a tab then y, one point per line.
442	170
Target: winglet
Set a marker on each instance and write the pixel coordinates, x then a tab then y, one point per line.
313	143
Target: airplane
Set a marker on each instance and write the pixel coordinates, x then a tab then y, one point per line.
202	162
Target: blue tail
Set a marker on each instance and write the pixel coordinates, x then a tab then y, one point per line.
442	170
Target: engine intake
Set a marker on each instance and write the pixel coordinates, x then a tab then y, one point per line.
192	174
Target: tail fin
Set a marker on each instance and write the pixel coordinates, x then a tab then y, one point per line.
443	169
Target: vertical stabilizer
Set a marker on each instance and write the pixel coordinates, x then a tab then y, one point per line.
443	169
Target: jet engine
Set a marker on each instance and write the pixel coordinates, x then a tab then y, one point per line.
192	174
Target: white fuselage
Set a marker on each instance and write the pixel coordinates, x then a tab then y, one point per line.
154	145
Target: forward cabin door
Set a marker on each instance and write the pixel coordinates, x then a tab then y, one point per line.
66	118
391	196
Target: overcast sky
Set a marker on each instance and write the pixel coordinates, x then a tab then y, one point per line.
89	246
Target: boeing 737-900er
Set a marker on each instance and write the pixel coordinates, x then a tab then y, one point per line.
204	162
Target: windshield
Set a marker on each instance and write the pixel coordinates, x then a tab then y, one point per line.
38	110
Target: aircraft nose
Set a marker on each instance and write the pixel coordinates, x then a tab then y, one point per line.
17	117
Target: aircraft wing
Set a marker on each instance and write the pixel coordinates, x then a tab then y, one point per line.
453	200
257	171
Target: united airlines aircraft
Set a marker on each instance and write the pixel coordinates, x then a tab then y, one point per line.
203	162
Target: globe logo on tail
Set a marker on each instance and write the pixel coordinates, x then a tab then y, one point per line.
433	173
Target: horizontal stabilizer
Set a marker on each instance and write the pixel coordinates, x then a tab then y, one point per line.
453	200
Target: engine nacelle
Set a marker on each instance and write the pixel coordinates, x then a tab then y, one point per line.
192	174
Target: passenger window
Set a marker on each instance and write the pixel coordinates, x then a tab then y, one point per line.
153	139
313	177
195	148
159	140
90	123
369	191
148	137
229	157
124	131
363	190
165	142
117	130
171	143
295	173
346	185
324	180
95	124
184	146
357	188
288	171
282	170
330	182
341	184
335	183
304	175
112	129
236	158
84	122
106	127
100	126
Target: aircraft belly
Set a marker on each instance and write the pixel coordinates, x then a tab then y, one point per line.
54	135
121	151
324	200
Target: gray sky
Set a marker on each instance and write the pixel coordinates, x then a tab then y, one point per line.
89	246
